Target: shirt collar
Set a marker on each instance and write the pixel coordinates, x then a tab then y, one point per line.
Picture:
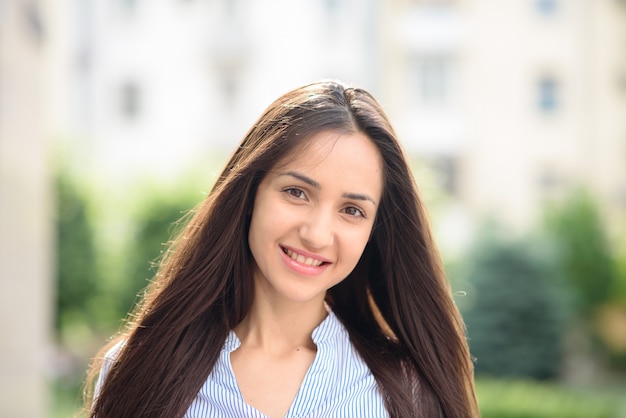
324	332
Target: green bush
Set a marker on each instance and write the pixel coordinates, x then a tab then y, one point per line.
107	245
77	277
516	320
523	399
585	253
155	222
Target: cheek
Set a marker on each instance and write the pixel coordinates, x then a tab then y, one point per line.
354	244
267	222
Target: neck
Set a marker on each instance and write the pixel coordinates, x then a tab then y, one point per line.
280	327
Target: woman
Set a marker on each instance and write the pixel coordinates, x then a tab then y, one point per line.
306	284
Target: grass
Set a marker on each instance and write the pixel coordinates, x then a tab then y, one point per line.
497	399
526	399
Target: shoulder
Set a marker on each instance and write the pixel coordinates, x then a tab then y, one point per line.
108	360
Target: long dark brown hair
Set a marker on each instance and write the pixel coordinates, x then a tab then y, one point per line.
396	304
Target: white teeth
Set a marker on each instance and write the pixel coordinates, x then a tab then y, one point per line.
304	260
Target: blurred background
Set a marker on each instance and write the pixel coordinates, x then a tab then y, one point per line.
117	115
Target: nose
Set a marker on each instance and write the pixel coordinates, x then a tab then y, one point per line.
317	229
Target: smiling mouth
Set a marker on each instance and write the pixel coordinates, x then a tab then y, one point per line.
307	261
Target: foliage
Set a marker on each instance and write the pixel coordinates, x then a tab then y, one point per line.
620	285
106	239
585	253
106	244
66	400
516	319
525	399
154	224
76	273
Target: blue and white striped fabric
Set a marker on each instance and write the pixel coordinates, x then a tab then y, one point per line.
337	385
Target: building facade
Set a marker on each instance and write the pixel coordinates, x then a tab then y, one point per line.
511	103
515	103
25	212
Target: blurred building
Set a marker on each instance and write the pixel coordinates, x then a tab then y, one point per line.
25	211
157	84
513	104
516	103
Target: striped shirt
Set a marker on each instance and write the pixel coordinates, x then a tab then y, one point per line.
337	385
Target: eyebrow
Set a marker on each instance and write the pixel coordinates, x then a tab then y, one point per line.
313	183
302	178
358	196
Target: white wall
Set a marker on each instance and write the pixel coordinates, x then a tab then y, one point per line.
25	215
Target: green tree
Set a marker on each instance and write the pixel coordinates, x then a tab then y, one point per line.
585	253
77	276
517	319
154	224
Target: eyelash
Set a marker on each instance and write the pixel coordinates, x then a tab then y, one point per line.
361	213
290	191
297	193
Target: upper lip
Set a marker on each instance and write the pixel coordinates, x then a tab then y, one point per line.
305	254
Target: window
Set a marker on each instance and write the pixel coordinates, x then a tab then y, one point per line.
128	5
228	86
332	6
446	169
548	94
126	9
231	7
621	80
546	7
34	21
552	185
548	180
621	196
434	3
130	101
431	76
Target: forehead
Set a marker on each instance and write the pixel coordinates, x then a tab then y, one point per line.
346	162
331	146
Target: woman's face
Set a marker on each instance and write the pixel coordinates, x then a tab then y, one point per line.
313	215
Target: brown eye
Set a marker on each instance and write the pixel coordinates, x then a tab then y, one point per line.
295	192
353	211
